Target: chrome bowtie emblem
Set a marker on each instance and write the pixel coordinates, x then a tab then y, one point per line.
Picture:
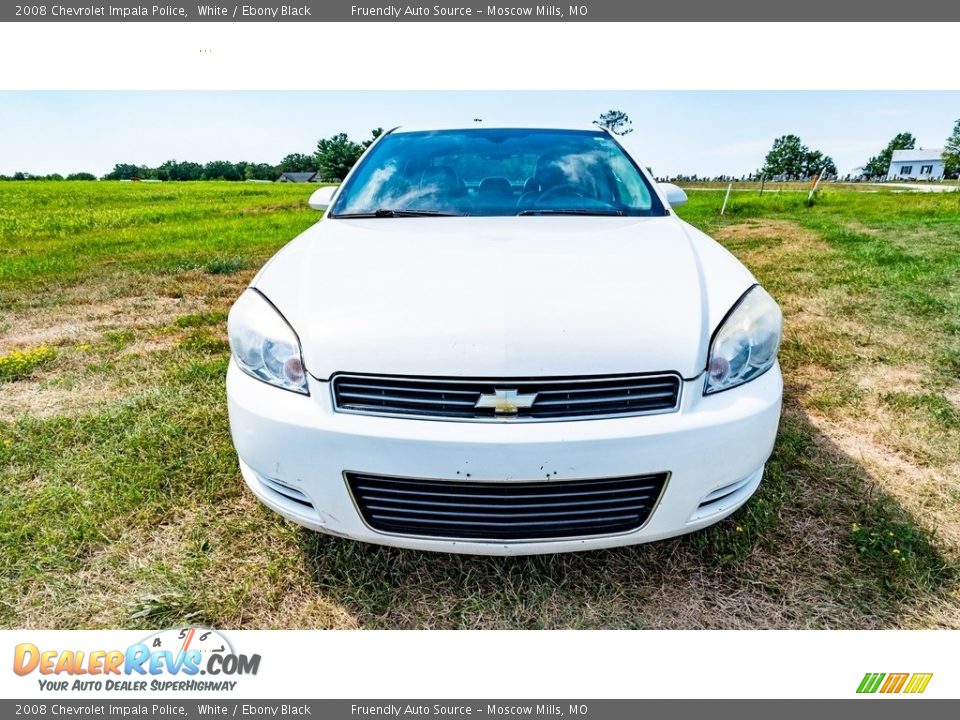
505	402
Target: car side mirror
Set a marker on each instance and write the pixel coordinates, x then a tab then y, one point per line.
320	200
675	196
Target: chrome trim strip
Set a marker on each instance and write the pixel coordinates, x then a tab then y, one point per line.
506	381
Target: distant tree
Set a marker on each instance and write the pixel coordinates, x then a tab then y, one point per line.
374	134
241	169
298	162
815	162
221	170
81	176
189	171
20	175
951	153
616	121
790	158
878	165
336	155
124	171
260	171
787	157
174	170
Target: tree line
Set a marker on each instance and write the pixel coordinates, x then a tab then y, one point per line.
19	175
788	159
332	160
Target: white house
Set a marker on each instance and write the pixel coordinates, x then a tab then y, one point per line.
920	164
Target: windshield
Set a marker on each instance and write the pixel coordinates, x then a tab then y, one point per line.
496	172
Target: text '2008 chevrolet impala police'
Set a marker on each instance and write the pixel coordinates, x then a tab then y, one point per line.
503	340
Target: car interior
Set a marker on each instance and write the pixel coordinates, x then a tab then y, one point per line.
555	179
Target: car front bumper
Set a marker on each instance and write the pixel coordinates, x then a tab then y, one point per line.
714	449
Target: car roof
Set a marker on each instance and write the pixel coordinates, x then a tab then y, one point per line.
484	125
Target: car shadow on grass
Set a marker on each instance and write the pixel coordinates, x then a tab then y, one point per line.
820	545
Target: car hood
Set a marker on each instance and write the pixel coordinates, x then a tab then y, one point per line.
503	297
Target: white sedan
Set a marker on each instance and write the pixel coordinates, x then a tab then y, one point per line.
503	341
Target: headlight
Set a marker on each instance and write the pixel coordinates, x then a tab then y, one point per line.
746	344
264	345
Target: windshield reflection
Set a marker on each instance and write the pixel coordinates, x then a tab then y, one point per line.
496	172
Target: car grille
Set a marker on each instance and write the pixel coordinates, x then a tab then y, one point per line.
554	399
494	511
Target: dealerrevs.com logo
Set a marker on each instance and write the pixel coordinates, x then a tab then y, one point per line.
892	683
169	660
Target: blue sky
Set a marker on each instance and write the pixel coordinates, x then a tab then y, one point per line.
704	132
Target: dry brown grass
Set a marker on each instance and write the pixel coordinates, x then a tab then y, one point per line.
47	395
85	322
779	236
88	329
953	395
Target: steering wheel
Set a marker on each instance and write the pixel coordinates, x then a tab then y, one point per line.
565	190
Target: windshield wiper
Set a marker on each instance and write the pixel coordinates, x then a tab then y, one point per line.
390	213
572	212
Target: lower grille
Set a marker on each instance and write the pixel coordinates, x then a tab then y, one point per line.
505	510
507	399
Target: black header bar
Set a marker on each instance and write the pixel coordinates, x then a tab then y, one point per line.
854	11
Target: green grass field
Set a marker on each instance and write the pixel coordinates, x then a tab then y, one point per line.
121	504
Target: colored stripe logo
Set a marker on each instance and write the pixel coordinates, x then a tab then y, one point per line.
913	683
